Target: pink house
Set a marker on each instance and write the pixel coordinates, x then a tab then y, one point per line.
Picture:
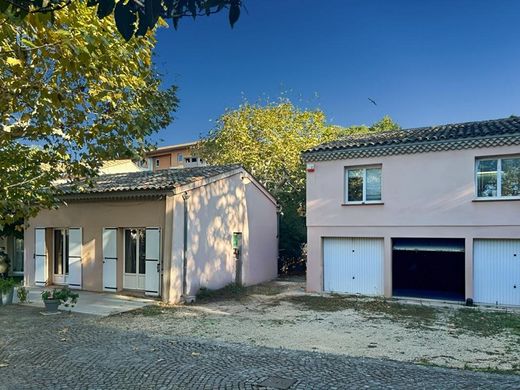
165	234
428	213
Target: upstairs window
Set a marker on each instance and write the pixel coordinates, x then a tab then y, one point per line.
363	184
498	177
179	157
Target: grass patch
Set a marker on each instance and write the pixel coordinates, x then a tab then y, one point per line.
231	291
414	315
486	323
149	311
235	292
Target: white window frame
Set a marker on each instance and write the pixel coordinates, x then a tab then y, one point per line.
499	177
364	168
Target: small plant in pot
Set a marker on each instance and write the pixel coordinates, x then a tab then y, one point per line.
7	290
59	296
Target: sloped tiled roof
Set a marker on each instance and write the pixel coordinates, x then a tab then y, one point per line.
466	135
148	181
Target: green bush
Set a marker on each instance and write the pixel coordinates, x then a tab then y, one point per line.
7	285
22	294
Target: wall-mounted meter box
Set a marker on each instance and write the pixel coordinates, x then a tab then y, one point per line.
237	240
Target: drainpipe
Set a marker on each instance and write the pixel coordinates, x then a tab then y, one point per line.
185	198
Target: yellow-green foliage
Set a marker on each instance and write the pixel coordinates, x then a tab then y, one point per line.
268	141
73	93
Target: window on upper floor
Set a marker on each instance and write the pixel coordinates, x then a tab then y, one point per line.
157	162
498	177
363	184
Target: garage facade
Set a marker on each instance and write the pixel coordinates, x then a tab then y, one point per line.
443	200
353	265
497	271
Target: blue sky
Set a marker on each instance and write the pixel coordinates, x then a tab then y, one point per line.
423	62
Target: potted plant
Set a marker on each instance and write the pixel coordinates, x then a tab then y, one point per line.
7	290
4	262
53	299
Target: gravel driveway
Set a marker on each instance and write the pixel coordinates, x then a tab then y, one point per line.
74	351
280	314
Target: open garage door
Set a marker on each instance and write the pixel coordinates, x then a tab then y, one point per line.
496	271
353	265
431	268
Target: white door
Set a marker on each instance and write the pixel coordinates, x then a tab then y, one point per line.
153	270
110	259
134	257
496	271
353	265
74	258
40	257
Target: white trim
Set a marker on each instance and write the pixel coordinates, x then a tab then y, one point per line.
364	195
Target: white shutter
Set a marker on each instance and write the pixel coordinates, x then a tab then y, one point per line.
75	248
152	267
40	257
110	259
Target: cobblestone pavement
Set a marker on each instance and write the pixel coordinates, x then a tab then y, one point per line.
84	352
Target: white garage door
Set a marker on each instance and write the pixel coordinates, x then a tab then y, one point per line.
353	265
496	271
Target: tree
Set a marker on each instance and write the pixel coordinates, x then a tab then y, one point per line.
73	94
268	141
132	17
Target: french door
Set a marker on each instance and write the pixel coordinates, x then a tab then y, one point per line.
61	256
135	259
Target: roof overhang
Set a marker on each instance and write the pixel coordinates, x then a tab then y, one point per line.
411	148
116	195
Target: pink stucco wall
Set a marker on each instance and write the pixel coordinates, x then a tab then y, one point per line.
424	195
215	211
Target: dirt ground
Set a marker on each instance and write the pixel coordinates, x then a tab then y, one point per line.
280	314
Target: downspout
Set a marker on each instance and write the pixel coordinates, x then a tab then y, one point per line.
185	197
278	217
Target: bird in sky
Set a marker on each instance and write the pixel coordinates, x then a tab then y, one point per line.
372	101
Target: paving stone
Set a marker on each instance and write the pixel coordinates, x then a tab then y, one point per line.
98	355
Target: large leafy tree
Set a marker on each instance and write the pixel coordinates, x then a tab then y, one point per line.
268	139
73	94
132	17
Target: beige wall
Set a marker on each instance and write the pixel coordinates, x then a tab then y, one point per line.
215	211
165	161
92	217
170	159
424	195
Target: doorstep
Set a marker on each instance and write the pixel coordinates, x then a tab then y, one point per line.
94	303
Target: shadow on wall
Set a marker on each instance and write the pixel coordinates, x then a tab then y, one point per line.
214	213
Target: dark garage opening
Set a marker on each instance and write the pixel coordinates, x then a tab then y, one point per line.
430	268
